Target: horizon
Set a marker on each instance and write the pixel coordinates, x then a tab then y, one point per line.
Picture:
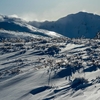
14	16
47	10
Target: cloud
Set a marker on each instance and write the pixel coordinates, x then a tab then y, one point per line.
29	16
51	14
14	15
46	15
61	9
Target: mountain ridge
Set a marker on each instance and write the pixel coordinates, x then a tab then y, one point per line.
73	25
18	25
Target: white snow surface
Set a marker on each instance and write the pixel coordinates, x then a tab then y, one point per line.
15	34
29	72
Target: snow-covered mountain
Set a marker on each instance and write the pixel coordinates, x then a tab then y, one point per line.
74	25
18	25
37	67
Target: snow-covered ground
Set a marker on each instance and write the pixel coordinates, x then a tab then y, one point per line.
50	69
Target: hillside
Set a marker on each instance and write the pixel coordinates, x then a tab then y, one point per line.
18	25
50	69
77	25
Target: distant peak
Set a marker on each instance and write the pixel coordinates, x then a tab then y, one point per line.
83	12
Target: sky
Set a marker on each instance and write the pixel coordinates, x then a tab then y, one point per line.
51	10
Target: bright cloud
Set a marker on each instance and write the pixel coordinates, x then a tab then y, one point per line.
29	16
14	15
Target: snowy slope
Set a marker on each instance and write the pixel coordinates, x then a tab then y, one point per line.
19	25
50	69
4	34
74	25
